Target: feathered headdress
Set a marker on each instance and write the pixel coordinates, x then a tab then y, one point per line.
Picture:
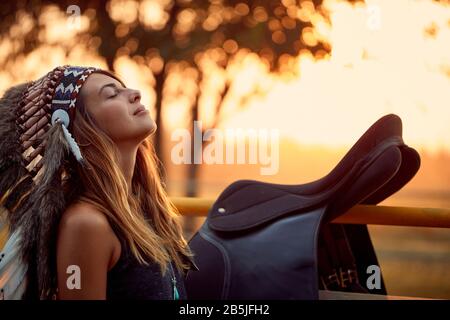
35	145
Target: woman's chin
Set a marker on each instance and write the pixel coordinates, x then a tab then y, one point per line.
153	128
150	129
143	130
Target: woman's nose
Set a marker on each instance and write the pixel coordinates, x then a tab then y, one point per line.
135	96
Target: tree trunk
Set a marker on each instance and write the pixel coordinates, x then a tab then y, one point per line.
190	223
158	135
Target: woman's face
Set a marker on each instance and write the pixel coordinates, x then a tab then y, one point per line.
116	109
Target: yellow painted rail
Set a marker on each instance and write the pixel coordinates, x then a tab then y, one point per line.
360	214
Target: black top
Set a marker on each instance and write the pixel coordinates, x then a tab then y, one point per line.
129	279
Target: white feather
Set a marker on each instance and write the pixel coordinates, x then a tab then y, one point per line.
12	269
72	144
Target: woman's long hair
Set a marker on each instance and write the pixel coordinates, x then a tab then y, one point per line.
143	216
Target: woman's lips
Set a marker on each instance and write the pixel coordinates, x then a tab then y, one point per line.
139	110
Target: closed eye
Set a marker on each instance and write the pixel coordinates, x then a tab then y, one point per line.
116	92
111	86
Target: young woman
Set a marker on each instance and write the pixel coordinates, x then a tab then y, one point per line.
93	218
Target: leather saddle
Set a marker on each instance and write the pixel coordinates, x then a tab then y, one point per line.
275	241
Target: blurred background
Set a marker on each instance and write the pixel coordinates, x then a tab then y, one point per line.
318	72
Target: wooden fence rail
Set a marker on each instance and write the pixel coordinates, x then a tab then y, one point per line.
360	214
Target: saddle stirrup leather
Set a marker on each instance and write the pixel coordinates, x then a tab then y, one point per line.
275	241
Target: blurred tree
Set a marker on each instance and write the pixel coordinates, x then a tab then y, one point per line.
163	33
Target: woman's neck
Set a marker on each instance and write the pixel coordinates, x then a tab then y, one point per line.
127	161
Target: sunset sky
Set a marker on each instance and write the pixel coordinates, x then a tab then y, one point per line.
382	61
386	57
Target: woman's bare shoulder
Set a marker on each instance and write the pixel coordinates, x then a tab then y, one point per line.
86	240
85	227
84	218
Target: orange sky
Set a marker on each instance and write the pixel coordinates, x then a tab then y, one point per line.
382	61
387	56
